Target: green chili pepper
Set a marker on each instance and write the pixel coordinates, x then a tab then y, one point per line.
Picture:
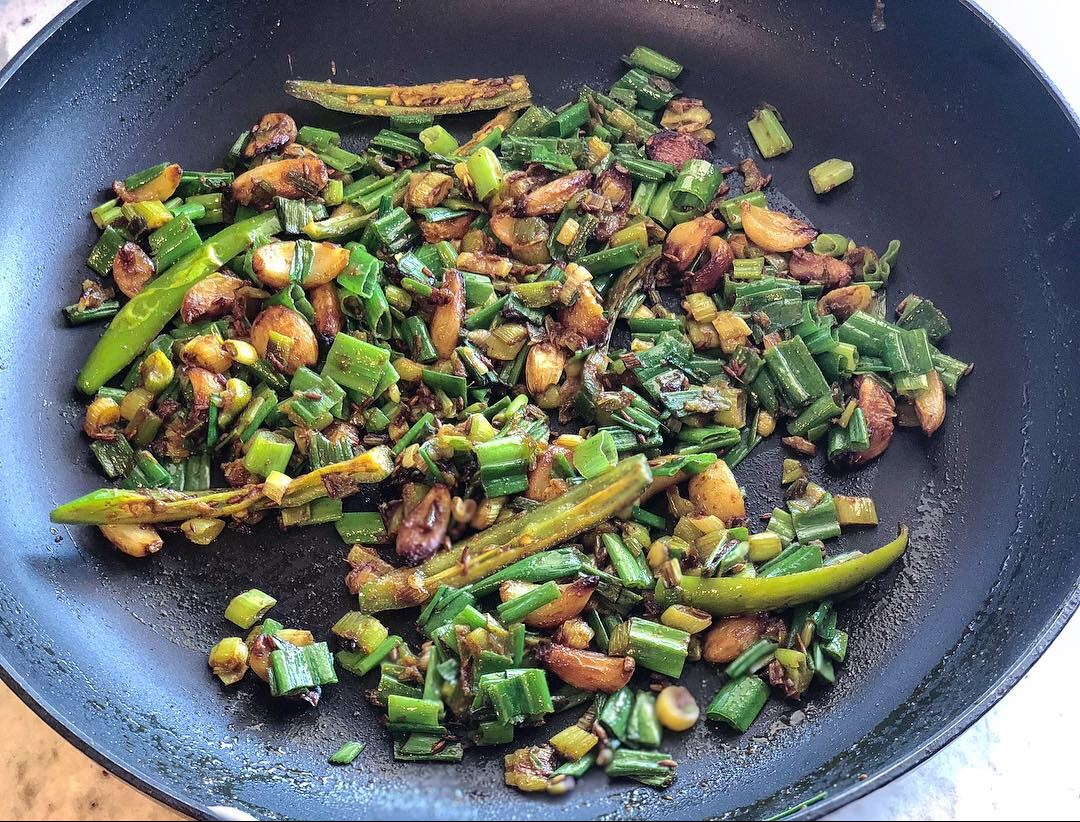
145	314
723	596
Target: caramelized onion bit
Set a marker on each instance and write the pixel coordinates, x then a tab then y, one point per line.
423	530
878	406
553	197
773	230
843	302
676	147
588	670
275	130
730	636
808	267
710	274
132	269
210	298
294	179
930	404
687	240
277	318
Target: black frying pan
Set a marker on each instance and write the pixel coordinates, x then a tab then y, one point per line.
939	113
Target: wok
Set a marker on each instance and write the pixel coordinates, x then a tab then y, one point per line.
963	152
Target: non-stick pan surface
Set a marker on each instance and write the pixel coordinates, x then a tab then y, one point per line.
961	152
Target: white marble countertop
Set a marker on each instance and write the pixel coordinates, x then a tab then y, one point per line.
1012	764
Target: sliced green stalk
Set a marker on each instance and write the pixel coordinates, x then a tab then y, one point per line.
347	753
739	702
826	176
771	138
516	609
249	607
655	769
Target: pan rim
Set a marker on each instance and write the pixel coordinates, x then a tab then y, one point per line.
168	795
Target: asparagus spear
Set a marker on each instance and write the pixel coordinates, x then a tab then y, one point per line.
546	525
109	506
450	97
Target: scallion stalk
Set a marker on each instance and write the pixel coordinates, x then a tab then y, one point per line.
643	727
347	753
655	769
826	176
739	702
516	609
770	136
596	455
645	58
245	609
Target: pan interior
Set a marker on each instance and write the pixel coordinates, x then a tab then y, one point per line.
960	153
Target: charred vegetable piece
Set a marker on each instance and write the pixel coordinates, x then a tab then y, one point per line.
292	179
423	529
449	97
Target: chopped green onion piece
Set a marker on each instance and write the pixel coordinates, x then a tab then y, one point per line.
293	669
748	269
696	185
411	123
615	715
644	728
739	702
596	455
730	208
173	241
794	559
393	143
798	376
362	527
655	769
249	607
657	647
355	364
633	572
516	695
820	522
105	250
568	121
504	463
141	178
771	138
360	664
539	568
485	171
78	316
268	451
516	609
347	753
826	176
645	58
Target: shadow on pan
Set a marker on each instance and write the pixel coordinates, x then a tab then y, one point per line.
962	152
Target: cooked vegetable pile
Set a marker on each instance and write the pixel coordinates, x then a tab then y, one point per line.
490	332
